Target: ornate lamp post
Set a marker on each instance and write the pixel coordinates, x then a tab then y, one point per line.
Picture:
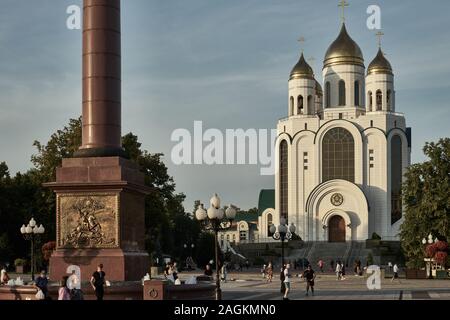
31	232
426	242
283	233
216	219
189	258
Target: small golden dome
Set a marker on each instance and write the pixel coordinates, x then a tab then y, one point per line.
302	70
380	65
344	50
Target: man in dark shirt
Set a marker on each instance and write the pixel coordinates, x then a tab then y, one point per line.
309	275
42	283
98	282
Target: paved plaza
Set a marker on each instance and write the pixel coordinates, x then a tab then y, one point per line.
250	286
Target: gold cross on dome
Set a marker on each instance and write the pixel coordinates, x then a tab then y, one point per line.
343	4
379	35
301	40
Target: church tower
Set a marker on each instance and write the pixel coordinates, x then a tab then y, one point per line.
380	85
343	74
302	90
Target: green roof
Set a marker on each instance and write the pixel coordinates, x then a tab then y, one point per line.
248	217
266	200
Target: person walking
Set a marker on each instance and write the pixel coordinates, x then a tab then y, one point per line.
4	277
309	275
338	270
223	272
343	267
98	282
269	272
64	291
41	283
395	276
208	271
287	281
320	264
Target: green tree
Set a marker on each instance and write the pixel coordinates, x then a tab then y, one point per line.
427	203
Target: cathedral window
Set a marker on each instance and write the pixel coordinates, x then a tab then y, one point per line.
327	95
388	97
379	100
310	105
342	93
300	105
269	223
283	179
356	93
396	178
292	106
369	95
338	155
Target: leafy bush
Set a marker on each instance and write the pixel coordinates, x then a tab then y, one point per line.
20	262
375	236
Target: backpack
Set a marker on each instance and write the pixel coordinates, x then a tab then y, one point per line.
282	275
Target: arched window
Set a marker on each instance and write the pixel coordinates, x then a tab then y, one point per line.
338	155
379	100
291	106
283	172
327	95
342	93
269	223
356	93
369	96
388	98
310	109
396	179
300	105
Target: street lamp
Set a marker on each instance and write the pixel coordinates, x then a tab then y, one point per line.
216	219
283	233
189	258
426	241
31	232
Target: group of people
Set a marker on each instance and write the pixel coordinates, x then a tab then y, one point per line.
69	288
267	272
171	271
308	275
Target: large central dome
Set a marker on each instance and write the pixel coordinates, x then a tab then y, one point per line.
344	50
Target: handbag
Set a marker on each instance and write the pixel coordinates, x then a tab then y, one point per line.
40	295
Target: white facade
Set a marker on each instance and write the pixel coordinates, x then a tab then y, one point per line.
336	182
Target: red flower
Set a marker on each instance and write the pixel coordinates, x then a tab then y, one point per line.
441	257
430	250
441	246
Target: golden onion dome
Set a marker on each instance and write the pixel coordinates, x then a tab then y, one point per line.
380	65
302	70
344	50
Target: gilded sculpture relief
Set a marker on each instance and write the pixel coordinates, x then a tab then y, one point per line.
89	221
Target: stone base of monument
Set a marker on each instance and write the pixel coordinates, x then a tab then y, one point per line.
118	265
117	291
155	290
100	207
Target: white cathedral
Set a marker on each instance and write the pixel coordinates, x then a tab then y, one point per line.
342	152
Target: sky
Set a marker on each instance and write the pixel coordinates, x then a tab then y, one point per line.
223	62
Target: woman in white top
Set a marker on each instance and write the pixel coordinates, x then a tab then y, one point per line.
338	270
287	281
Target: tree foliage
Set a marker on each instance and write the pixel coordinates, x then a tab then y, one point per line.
427	203
168	227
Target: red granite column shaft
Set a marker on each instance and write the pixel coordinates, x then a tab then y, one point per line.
101	78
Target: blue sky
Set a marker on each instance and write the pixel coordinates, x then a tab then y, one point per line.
225	62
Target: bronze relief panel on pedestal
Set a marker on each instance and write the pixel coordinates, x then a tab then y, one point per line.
87	221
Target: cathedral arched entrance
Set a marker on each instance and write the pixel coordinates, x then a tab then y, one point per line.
336	229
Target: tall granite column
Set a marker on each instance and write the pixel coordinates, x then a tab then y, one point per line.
100	195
